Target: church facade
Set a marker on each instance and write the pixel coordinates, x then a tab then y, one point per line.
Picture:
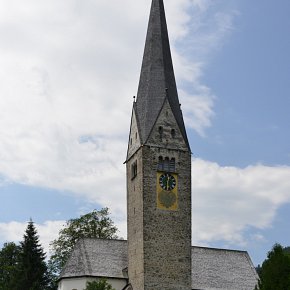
158	254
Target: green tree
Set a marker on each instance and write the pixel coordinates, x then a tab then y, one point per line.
275	270
31	268
51	277
96	224
287	251
9	256
102	284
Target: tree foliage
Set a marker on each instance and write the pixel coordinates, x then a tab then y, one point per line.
102	284
96	224
24	267
275	270
52	277
9	256
31	269
287	251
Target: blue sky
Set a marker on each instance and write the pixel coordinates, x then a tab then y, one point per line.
68	72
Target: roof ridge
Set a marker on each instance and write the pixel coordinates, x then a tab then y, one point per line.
219	249
102	239
192	246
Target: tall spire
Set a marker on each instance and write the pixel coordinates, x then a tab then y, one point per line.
157	80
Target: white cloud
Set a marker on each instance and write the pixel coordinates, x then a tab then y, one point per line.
48	231
14	232
206	30
226	202
67	71
198	108
229	200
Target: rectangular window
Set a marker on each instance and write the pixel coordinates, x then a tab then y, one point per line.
172	165
160	164
134	170
166	164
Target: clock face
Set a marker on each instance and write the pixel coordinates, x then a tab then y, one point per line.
167	181
167	194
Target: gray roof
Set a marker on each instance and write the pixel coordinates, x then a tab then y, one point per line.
97	258
211	268
222	269
157	80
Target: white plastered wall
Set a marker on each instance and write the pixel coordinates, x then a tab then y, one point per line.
80	283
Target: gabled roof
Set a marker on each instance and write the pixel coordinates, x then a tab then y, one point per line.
222	269
157	80
212	269
97	258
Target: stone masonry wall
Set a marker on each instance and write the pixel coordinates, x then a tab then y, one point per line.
135	215
159	241
167	234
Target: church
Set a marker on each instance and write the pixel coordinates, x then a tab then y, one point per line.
158	254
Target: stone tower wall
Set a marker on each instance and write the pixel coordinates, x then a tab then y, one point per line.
159	240
167	234
135	208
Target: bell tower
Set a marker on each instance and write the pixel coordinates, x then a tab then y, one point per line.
158	172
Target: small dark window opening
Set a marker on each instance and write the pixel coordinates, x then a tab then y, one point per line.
172	133
160	163
160	132
166	164
172	165
134	170
136	135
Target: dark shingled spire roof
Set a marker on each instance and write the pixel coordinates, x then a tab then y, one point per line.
157	80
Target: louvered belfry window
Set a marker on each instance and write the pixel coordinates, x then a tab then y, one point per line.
172	165
166	164
160	164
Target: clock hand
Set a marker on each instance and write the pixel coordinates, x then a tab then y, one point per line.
167	183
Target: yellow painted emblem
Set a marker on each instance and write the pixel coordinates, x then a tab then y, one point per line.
167	197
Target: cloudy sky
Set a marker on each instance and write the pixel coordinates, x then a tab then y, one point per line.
68	72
